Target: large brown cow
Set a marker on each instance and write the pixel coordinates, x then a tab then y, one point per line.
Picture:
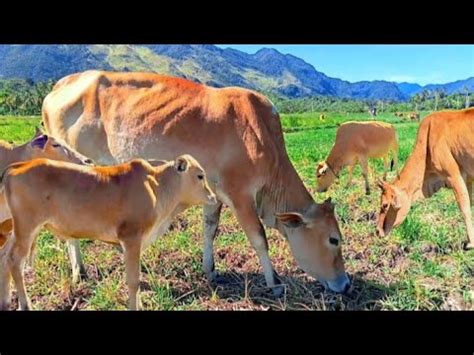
356	142
443	156
130	205
234	133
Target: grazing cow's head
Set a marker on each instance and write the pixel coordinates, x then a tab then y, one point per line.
315	241
394	207
195	187
45	146
325	176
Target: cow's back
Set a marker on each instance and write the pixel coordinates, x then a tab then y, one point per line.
367	138
451	133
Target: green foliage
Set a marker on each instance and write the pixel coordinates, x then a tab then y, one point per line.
23	97
424	101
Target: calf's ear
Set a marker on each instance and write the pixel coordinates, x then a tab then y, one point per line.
39	142
181	164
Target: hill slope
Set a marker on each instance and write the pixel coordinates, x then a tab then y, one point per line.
267	70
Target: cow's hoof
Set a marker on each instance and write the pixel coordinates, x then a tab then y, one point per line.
278	291
77	277
468	246
26	307
367	192
218	280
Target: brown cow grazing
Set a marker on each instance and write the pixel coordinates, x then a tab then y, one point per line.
130	205
443	156
356	142
414	116
41	146
234	133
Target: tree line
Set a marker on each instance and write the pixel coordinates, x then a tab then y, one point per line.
434	100
23	97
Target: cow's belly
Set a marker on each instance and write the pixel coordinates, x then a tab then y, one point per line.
80	231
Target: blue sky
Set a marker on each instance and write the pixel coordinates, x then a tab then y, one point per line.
422	64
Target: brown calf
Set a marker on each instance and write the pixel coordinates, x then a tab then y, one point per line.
128	205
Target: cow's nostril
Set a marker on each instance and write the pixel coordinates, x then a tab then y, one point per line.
88	161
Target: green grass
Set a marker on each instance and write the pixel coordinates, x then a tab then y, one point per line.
421	265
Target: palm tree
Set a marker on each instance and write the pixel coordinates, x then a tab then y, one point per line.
466	91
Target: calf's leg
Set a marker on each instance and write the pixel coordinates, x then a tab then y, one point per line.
132	250
23	237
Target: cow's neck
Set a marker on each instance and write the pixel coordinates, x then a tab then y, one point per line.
337	159
413	173
285	193
167	188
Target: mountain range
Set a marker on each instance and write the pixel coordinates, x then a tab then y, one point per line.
267	70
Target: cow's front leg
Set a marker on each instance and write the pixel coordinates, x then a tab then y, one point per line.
462	194
211	214
247	216
77	266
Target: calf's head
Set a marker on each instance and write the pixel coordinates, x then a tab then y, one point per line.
315	241
394	207
195	188
46	146
324	177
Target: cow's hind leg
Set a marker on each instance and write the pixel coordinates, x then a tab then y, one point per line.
364	164
211	214
350	169
23	237
469	190
245	210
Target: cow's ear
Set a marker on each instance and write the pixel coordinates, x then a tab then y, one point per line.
397	198
39	142
322	169
181	164
328	205
381	184
291	219
38	132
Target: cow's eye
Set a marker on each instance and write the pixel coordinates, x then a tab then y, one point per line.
55	145
334	241
200	176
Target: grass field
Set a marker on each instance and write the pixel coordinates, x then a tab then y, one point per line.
421	265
